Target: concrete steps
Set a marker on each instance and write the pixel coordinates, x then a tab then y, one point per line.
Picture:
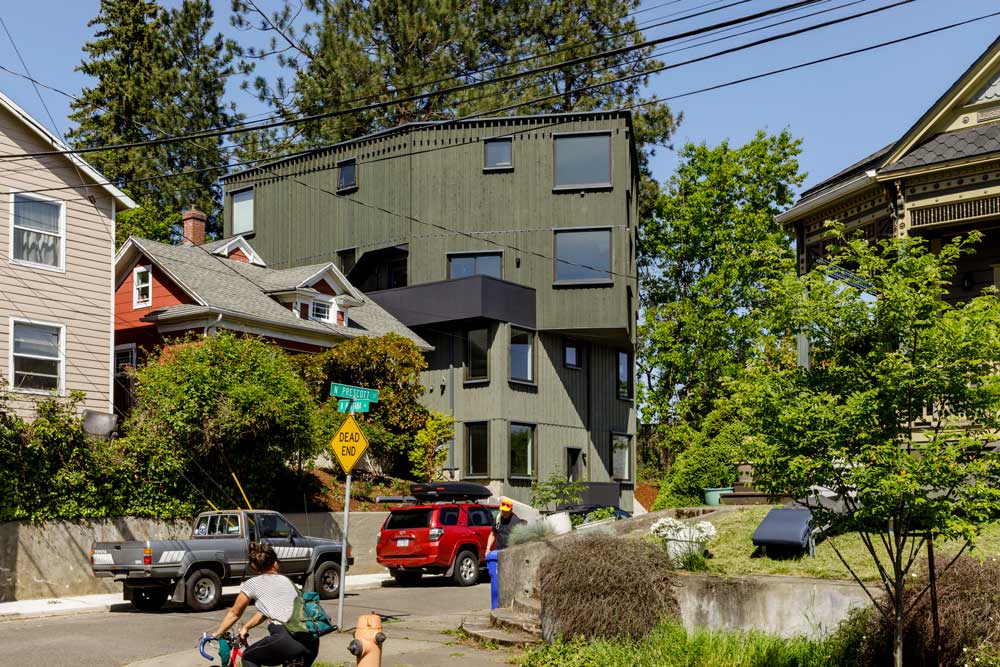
528	606
516	621
480	627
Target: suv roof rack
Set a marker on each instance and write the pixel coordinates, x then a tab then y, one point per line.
441	492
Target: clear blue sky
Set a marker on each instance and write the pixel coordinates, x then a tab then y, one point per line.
843	109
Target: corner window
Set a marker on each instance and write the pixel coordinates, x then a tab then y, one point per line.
38	231
624	379
498	153
522	345
477	447
621	453
36	356
347	175
474	264
477	354
521	450
142	286
583	161
583	255
242	211
320	311
572	356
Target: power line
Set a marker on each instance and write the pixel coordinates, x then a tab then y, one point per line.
243	128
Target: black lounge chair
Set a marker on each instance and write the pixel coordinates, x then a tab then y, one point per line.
786	529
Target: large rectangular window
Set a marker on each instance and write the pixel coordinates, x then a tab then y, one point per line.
583	255
521	450
38	231
243	211
498	153
583	160
36	356
621	454
477	349
463	265
477	447
624	379
142	286
347	174
522	362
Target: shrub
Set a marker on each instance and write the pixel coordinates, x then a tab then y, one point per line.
529	532
556	490
601	586
968	613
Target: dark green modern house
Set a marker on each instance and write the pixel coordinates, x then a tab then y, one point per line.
509	245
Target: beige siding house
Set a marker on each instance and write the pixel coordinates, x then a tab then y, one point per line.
57	245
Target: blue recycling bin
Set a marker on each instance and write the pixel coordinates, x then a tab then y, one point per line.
491	565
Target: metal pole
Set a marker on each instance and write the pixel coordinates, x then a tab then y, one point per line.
343	554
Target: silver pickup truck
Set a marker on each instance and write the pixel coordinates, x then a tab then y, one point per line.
193	571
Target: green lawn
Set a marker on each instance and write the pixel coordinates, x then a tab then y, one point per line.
733	552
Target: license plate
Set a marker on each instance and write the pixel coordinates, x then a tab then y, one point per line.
403	542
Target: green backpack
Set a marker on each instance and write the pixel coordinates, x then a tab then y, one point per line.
308	620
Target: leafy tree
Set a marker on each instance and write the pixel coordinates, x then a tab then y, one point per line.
209	407
429	450
556	490
710	251
888	354
157	73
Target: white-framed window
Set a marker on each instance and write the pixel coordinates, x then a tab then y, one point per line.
243	211
320	311
38	231
37	356
142	286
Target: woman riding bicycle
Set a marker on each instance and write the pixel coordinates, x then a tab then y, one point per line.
273	595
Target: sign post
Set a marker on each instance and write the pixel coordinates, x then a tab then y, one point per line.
348	445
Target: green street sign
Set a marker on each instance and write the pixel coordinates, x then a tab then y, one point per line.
347	405
357	393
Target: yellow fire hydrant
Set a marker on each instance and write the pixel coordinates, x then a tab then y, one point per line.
368	638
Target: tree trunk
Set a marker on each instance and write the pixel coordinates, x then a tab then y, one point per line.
897	639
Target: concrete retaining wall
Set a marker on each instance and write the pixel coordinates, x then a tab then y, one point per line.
52	559
784	606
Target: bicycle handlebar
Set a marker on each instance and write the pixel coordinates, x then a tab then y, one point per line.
205	639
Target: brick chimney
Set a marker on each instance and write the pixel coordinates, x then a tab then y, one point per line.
194	226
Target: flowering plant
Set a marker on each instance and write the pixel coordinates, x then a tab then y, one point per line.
671	529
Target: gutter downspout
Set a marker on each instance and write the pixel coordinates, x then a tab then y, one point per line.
451	403
212	326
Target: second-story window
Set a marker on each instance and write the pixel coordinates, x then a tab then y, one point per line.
474	264
477	354
583	256
498	153
522	362
572	356
142	287
242	211
624	379
583	161
347	175
38	230
320	311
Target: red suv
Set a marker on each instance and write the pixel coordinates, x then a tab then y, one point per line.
442	538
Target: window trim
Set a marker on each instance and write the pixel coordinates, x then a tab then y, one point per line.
329	310
532	451
468	450
61	267
475	253
61	388
628	456
353	186
631	379
586	186
532	365
583	282
509	166
136	302
253	211
467	377
567	343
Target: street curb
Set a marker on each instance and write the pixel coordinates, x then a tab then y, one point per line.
83	607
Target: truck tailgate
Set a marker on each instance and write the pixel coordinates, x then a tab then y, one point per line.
110	558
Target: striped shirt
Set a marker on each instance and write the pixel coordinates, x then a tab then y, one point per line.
272	594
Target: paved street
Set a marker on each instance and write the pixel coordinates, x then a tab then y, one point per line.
124	636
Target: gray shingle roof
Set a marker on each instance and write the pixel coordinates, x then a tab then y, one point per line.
947	146
239	289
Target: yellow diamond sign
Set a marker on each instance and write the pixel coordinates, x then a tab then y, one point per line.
349	444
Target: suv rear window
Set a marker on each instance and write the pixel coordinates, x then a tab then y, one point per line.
409	519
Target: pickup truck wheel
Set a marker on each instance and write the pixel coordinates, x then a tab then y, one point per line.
466	570
406	578
327	580
204	590
149	599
